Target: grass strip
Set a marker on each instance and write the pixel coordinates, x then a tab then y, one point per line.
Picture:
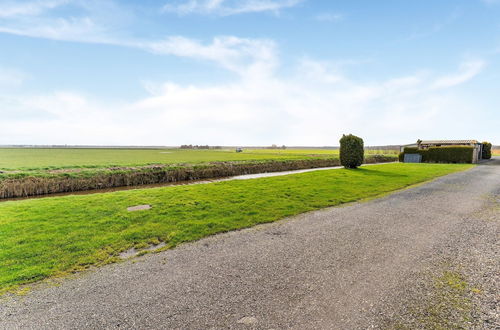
52	236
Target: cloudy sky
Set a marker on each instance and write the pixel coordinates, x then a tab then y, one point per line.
248	72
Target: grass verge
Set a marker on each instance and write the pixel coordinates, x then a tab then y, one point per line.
52	236
446	302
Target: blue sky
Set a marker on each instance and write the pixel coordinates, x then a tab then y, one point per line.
248	72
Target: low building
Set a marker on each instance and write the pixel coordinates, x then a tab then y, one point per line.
426	144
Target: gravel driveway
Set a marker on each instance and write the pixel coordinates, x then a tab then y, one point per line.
339	268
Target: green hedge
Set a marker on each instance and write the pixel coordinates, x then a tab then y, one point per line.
486	150
457	154
452	154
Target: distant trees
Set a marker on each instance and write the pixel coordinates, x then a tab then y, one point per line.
352	151
274	146
190	146
486	150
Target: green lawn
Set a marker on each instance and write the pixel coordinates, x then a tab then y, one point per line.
45	237
40	159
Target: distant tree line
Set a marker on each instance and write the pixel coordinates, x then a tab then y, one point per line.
190	146
274	146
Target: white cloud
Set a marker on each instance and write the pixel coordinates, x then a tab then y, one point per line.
314	106
11	77
228	7
89	20
10	9
467	71
244	56
320	71
240	55
329	17
428	30
80	29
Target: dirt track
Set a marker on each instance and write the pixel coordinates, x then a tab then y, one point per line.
338	268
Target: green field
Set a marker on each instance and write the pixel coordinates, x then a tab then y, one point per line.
40	238
43	159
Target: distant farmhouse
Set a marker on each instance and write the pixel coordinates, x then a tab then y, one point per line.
426	144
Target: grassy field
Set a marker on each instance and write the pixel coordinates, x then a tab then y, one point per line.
43	159
46	237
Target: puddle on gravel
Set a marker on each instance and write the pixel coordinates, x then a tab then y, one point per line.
134	252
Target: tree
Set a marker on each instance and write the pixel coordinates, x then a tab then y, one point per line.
352	152
486	150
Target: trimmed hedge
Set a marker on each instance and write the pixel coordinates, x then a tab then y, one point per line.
352	151
452	154
486	150
457	154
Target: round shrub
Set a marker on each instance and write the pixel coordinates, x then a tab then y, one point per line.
486	150
352	151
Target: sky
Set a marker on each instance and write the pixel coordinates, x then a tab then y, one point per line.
248	72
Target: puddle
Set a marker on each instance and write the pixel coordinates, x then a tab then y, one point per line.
134	252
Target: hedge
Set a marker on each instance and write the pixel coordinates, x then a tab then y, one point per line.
486	150
452	154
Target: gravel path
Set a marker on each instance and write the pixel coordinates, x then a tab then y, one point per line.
338	268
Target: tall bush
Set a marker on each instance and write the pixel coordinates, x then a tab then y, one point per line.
486	150
352	151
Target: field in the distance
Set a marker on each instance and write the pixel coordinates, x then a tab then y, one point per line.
57	158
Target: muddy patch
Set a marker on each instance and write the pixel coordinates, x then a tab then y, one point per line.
135	252
139	208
